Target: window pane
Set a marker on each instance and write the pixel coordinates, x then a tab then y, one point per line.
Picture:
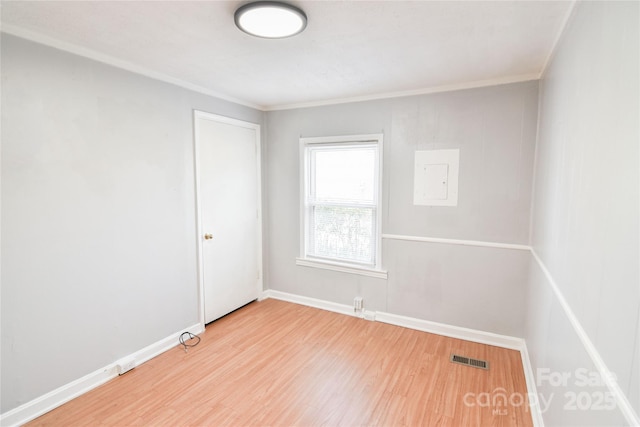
343	232
344	174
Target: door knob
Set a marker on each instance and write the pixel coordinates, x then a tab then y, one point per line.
208	236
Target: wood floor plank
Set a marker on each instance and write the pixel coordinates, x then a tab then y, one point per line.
281	364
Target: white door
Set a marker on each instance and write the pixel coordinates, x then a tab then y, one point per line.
228	169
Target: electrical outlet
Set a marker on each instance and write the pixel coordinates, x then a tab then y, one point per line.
358	304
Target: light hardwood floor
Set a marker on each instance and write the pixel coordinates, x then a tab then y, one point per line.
276	363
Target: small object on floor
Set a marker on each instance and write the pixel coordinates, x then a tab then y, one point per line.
190	336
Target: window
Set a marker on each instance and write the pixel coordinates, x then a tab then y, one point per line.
340	212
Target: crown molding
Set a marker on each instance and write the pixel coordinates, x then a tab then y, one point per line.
423	91
118	63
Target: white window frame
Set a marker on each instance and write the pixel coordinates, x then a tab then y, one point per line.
374	270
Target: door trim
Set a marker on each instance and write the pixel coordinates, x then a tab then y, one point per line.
202	115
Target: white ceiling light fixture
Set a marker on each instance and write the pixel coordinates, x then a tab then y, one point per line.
270	19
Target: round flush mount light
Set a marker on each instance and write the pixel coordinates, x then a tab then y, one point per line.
270	19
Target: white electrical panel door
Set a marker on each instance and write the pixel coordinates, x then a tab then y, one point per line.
436	178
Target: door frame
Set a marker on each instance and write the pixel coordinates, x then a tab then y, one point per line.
202	115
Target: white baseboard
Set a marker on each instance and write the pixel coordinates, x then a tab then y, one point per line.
451	331
310	302
49	401
530	379
467	334
159	347
482	337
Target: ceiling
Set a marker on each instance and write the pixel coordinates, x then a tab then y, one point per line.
350	49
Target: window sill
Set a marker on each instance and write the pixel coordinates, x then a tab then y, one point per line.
344	268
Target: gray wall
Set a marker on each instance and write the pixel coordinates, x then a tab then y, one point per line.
476	287
98	215
586	206
98	219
